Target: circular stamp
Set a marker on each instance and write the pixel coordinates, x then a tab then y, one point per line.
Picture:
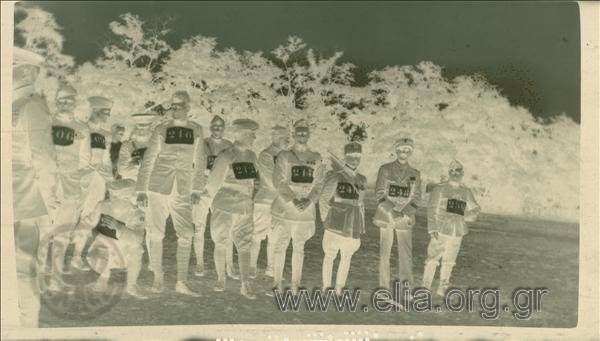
80	274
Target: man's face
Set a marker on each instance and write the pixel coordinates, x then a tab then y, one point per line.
301	136
281	141
100	114
217	129
455	175
179	109
246	137
353	160
404	152
142	132
65	104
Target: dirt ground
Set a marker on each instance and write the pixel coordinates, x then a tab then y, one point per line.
500	252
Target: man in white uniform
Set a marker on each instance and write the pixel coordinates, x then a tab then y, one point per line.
170	180
231	188
298	178
132	151
214	145
342	205
33	177
451	205
98	155
398	190
71	139
263	225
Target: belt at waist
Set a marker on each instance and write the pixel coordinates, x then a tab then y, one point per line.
353	202
243	189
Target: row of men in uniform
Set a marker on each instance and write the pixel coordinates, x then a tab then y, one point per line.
170	169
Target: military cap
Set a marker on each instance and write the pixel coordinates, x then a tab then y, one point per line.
100	102
404	142
279	131
455	166
217	119
143	118
26	57
66	90
245	124
301	125
353	148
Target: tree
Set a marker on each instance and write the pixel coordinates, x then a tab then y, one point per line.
139	44
41	34
516	163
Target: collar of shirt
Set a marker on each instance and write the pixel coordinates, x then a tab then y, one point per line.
300	147
350	170
180	122
453	184
64	117
216	139
240	148
401	164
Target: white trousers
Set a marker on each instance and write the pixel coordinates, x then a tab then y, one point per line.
26	244
200	213
227	228
298	233
444	248
67	213
93	187
179	207
263	229
386	241
200	216
346	246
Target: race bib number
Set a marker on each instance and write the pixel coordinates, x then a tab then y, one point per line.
399	191
244	170
63	136
347	190
138	154
98	141
179	135
104	226
210	161
302	174
456	206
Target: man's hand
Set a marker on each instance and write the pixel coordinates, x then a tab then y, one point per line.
297	202
112	223
142	200
435	235
304	204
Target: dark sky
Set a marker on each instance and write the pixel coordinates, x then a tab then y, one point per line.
530	50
